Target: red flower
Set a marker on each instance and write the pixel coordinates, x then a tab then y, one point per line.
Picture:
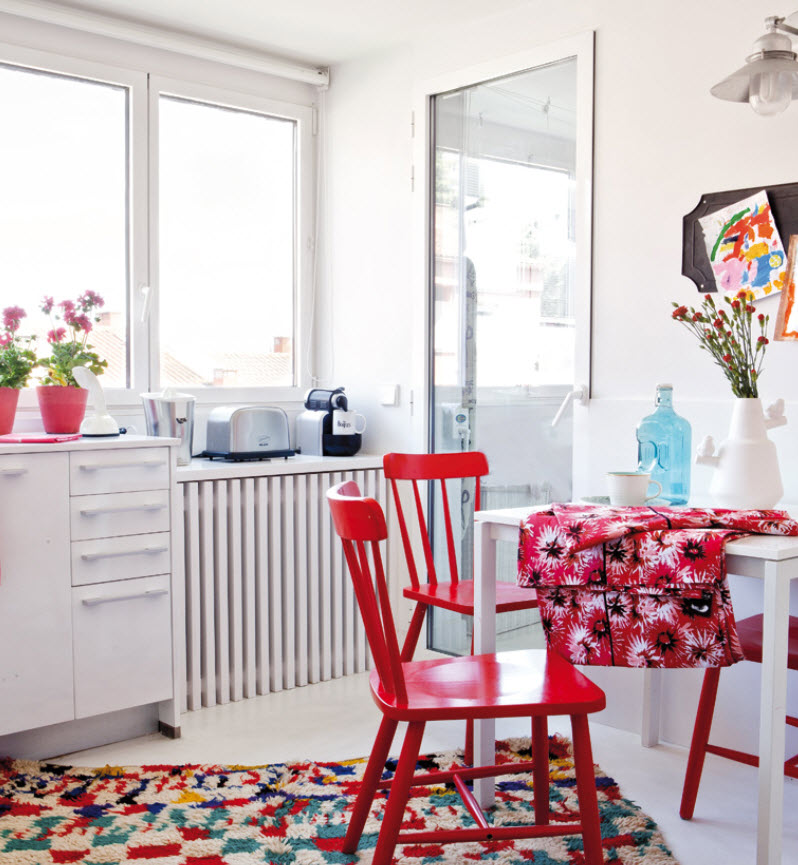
763	340
718	324
742	294
749	309
735	304
727	358
680	312
761	318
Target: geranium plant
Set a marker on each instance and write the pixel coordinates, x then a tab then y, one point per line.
69	346
730	338
17	357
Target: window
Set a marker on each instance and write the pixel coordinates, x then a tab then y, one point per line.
64	172
226	245
186	207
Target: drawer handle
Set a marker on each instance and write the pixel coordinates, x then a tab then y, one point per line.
93	512
151	593
11	472
143	464
112	555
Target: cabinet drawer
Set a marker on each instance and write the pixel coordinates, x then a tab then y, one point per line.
118	471
122	558
122	645
119	514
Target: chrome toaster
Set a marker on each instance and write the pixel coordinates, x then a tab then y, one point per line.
247	433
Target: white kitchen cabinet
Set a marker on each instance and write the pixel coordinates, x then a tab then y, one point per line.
36	684
121	644
87	606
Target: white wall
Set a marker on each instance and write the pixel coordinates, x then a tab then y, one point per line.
660	141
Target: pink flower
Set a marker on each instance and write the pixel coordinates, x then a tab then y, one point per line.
12	315
56	335
79	322
5	339
68	307
89	299
47	305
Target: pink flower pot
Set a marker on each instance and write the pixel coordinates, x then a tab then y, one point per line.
62	408
8	408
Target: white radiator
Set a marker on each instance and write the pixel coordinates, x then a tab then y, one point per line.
268	601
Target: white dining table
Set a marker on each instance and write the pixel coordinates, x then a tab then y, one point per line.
770	558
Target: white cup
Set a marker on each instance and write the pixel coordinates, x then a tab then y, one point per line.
630	489
347	423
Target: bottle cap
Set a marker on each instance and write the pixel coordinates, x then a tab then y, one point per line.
668	386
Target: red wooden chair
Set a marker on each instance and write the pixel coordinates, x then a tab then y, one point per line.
527	683
750	633
454	594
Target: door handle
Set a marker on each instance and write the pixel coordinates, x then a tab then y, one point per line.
578	394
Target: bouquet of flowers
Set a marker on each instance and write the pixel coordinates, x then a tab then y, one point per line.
17	357
729	337
69	346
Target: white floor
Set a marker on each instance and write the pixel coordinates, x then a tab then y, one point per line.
335	720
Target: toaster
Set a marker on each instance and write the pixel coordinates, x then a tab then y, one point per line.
247	433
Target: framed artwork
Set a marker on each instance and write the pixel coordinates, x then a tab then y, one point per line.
786	325
733	239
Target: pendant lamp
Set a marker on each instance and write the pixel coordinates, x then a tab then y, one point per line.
769	79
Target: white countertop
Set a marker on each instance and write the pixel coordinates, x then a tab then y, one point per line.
204	469
85	444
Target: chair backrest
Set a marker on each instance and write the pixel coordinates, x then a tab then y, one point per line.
432	467
360	523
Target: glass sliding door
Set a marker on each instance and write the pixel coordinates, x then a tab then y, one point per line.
504	306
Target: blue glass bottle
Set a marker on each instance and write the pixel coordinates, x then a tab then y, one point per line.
663	448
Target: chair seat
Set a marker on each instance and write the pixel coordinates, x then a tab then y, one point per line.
505	684
459	596
750	633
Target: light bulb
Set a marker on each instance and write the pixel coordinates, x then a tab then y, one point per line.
770	92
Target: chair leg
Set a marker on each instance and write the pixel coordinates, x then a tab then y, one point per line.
540	769
468	750
413	632
698	744
368	786
586	790
398	796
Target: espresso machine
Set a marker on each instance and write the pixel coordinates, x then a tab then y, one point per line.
314	426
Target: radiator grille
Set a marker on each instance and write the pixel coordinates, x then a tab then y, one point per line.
269	604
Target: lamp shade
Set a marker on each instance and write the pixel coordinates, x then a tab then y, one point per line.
769	79
737	87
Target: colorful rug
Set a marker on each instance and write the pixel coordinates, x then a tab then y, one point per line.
282	814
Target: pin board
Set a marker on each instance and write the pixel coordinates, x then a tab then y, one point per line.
748	242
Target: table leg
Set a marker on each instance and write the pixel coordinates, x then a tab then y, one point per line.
652	707
484	642
773	708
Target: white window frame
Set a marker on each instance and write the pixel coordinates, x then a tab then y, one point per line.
303	234
580	46
144	90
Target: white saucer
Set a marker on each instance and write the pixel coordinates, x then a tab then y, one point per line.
605	501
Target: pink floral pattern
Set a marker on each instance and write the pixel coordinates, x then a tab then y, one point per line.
638	587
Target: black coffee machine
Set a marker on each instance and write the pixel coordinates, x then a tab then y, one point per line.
314	426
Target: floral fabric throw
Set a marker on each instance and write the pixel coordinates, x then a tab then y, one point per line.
638	587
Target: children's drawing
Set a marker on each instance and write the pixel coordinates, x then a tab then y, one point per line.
744	247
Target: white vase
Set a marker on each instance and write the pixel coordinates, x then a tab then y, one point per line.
746	464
